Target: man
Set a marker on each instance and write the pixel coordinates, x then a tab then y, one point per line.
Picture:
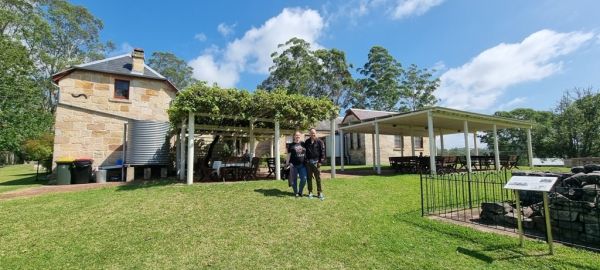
315	154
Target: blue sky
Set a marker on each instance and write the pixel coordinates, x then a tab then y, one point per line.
490	55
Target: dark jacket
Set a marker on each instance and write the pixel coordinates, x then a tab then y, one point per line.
315	150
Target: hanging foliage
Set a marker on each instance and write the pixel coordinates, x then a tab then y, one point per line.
291	110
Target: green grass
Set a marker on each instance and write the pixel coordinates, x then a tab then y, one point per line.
17	177
368	222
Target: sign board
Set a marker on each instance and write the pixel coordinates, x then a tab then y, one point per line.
531	183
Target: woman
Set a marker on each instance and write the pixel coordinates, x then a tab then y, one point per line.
295	157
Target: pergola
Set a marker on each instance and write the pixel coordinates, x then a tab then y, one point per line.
185	144
239	113
431	122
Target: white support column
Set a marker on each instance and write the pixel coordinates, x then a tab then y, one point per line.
431	142
496	152
467	151
252	139
412	142
441	142
529	148
272	146
377	146
332	147
277	159
475	143
183	156
373	146
190	150
342	146
178	154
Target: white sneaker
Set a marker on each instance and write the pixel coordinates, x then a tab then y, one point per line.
321	196
310	195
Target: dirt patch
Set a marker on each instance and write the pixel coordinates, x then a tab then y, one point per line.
36	191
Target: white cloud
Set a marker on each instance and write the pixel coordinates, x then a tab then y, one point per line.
512	103
124	48
352	10
407	8
477	84
225	29
200	37
252	52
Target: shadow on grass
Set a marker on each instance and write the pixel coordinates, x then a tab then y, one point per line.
273	192
414	218
28	179
146	184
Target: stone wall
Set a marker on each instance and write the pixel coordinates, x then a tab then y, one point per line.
573	162
93	126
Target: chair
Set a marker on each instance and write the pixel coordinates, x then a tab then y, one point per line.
250	172
270	166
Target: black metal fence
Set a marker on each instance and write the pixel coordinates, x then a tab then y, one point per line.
480	198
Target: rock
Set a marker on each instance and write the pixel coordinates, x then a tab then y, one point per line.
592	229
499	208
592	178
591	167
519	173
562	215
573	206
575	180
530	197
572	226
527	212
487	216
540	223
590	218
578	169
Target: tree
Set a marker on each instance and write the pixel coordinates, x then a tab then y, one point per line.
173	68
380	87
417	89
319	73
514	141
56	35
577	124
22	113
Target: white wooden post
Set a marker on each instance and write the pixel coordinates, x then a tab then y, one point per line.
252	139
412	142
178	154
378	147
529	148
190	150
373	150
342	146
272	146
467	151
496	151
332	148
277	159
441	142
431	142
475	142
183	156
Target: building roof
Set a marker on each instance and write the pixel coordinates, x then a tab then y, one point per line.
119	65
444	120
362	114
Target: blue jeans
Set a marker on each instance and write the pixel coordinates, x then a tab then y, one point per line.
301	169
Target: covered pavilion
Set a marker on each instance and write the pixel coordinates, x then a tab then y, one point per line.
432	122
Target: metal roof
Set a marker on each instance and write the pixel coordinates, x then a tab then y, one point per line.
120	65
445	120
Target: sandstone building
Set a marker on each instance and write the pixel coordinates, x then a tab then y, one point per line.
96	99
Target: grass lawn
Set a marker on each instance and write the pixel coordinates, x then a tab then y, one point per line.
368	222
17	177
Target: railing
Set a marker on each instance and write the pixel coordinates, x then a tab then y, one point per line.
480	198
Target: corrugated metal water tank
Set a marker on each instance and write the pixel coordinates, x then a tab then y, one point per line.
147	143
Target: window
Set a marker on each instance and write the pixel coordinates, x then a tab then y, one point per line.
418	142
121	89
357	140
398	141
351	141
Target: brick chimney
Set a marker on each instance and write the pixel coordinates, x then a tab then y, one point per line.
138	60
